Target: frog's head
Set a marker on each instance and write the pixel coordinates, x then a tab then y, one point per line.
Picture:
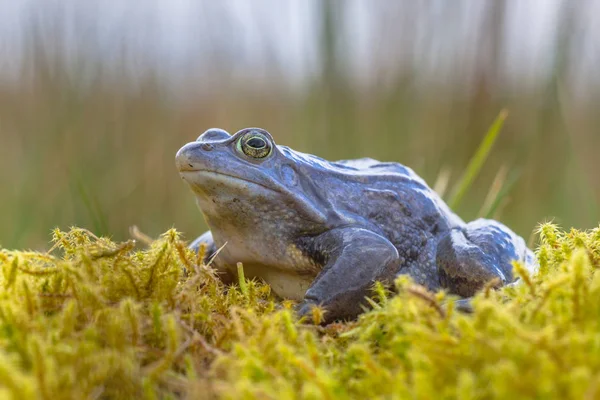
246	179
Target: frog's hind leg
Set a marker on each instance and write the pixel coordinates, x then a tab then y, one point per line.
469	257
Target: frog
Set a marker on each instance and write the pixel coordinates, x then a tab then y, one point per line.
322	233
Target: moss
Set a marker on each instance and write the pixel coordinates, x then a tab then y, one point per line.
97	319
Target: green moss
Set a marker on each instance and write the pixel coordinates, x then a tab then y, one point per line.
97	319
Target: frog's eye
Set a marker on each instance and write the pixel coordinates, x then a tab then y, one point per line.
254	144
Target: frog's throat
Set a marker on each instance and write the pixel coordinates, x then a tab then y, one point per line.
305	203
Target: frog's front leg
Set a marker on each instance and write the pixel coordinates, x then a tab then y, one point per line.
468	258
206	239
354	259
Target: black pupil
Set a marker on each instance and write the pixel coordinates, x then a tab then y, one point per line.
256	143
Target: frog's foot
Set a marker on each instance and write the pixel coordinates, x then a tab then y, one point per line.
205	239
469	257
210	251
356	259
463	305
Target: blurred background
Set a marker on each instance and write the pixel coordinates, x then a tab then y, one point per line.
96	97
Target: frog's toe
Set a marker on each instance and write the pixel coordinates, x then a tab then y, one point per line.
205	239
464	305
304	310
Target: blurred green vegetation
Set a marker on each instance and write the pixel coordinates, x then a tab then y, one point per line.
87	142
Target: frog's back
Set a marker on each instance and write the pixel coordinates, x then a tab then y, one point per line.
388	195
371	166
395	196
360	170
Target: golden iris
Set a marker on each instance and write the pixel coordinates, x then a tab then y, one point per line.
255	145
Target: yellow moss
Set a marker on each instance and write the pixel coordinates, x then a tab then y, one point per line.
97	319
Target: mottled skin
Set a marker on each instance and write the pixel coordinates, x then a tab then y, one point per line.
322	232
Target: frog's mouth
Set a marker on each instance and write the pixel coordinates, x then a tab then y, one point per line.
200	177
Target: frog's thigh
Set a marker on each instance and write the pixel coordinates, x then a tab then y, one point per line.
469	258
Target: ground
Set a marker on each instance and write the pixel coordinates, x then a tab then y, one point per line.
97	319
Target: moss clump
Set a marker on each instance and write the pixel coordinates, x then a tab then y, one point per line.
97	319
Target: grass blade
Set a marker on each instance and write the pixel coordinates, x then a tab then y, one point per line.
91	205
477	160
441	183
242	279
501	186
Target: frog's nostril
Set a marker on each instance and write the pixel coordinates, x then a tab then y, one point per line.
207	146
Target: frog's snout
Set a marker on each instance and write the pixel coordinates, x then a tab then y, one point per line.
189	157
197	155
